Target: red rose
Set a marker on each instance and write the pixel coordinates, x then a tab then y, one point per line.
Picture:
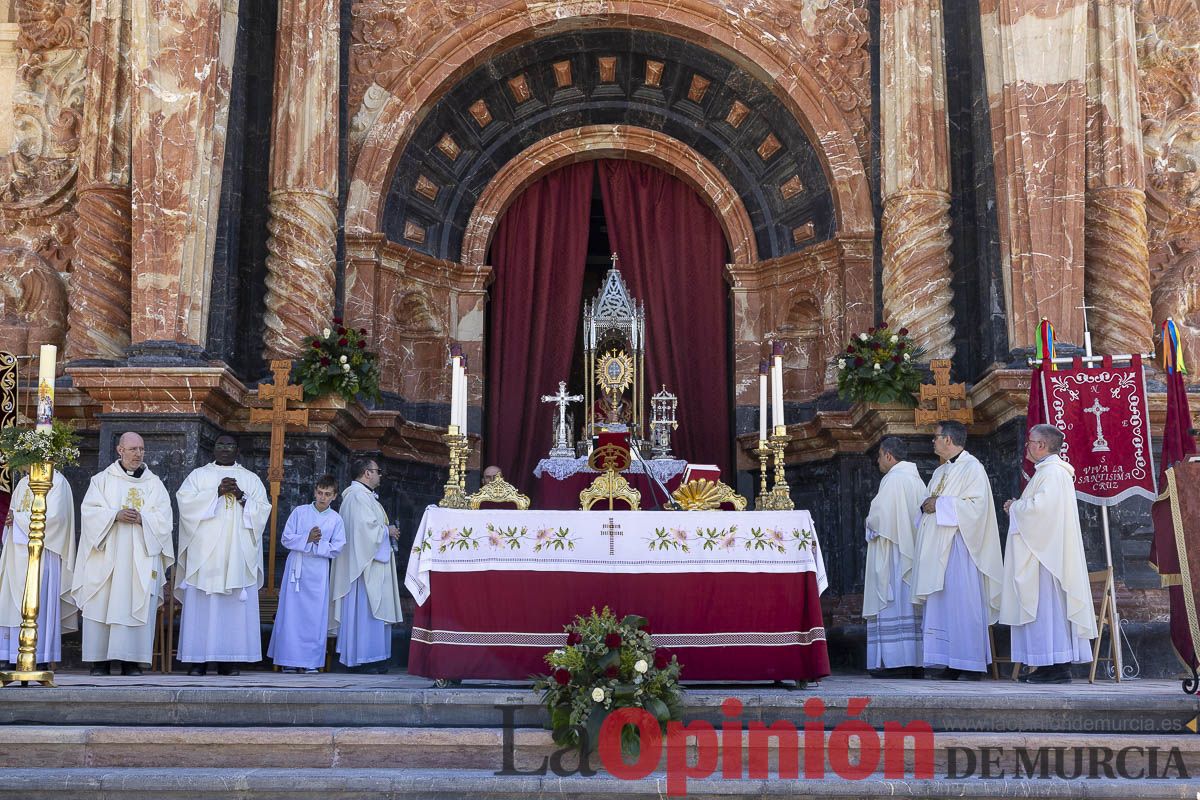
661	661
858	362
362	344
849	348
337	320
897	360
871	330
573	639
362	331
899	345
883	326
904	331
316	345
324	361
612	671
342	342
341	331
612	641
562	677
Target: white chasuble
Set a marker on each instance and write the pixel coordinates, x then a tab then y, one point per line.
1047	598
57	613
220	565
302	622
364	587
121	567
893	622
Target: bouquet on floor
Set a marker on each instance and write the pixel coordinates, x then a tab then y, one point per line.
338	362
20	448
880	366
607	664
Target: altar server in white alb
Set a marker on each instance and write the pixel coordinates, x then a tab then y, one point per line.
125	549
1047	598
313	536
365	590
893	622
958	568
56	610
223	509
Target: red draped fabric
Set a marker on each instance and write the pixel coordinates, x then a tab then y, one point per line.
538	257
672	254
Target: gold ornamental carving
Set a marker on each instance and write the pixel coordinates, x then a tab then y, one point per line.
498	491
706	495
610	486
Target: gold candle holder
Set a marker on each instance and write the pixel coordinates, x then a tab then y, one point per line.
764	453
780	496
455	490
41	479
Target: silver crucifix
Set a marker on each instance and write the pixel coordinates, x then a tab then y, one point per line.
562	434
1101	444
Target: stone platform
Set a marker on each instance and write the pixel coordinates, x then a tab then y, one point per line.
270	735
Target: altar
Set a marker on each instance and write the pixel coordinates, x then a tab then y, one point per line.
735	596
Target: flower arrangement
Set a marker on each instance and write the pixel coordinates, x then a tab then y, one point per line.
338	362
880	366
24	447
607	664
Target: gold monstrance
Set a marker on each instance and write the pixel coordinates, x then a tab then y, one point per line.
614	339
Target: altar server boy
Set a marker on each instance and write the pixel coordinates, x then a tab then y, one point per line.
314	535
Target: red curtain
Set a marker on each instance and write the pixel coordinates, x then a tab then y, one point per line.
538	257
672	254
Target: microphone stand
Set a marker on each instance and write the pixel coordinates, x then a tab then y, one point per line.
667	504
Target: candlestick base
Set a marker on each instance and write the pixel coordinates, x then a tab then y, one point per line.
43	677
454	492
764	454
780	496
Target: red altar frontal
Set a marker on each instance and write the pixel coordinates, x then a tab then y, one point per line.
734	596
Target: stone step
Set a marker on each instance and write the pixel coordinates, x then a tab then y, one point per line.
947	754
995	706
417	784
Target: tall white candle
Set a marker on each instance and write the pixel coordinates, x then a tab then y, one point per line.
777	387
453	390
46	367
462	395
762	400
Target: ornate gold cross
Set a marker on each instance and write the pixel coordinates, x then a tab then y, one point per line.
943	393
278	416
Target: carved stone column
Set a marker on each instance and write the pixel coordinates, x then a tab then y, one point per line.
916	174
1116	266
100	287
1035	59
182	55
9	31
303	201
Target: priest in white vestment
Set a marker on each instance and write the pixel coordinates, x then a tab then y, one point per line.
125	549
893	622
365	589
1047	598
57	613
223	509
958	568
313	536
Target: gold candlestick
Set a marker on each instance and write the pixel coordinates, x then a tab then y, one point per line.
764	453
780	496
455	495
41	478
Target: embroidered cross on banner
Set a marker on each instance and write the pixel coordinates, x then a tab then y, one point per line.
610	529
1101	444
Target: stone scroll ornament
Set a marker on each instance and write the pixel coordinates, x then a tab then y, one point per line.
1103	413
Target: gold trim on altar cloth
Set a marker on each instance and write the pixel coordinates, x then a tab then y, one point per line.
498	491
706	495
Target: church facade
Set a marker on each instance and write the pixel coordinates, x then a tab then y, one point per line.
194	186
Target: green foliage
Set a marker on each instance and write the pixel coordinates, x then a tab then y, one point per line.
589	678
24	447
880	366
338	362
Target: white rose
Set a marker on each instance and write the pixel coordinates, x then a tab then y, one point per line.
863	337
345	367
841	363
894	339
597	694
343	359
907	357
878	367
640	665
325	333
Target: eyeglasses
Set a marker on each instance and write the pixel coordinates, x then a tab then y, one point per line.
376	470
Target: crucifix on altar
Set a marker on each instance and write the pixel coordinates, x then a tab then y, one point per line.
278	416
562	436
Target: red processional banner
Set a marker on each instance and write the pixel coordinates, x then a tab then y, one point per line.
1105	418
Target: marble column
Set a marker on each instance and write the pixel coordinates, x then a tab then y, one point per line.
1116	254
1035	59
182	53
99	316
915	164
9	31
304	171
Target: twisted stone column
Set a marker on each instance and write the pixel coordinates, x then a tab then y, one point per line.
99	316
1116	248
303	198
916	174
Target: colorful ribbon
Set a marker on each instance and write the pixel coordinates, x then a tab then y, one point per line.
1172	349
1044	343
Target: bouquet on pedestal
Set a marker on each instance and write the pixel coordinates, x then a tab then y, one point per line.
337	362
607	664
880	366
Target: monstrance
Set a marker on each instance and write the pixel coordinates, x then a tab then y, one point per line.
614	338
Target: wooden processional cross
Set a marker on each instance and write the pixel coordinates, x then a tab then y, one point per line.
278	417
943	393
